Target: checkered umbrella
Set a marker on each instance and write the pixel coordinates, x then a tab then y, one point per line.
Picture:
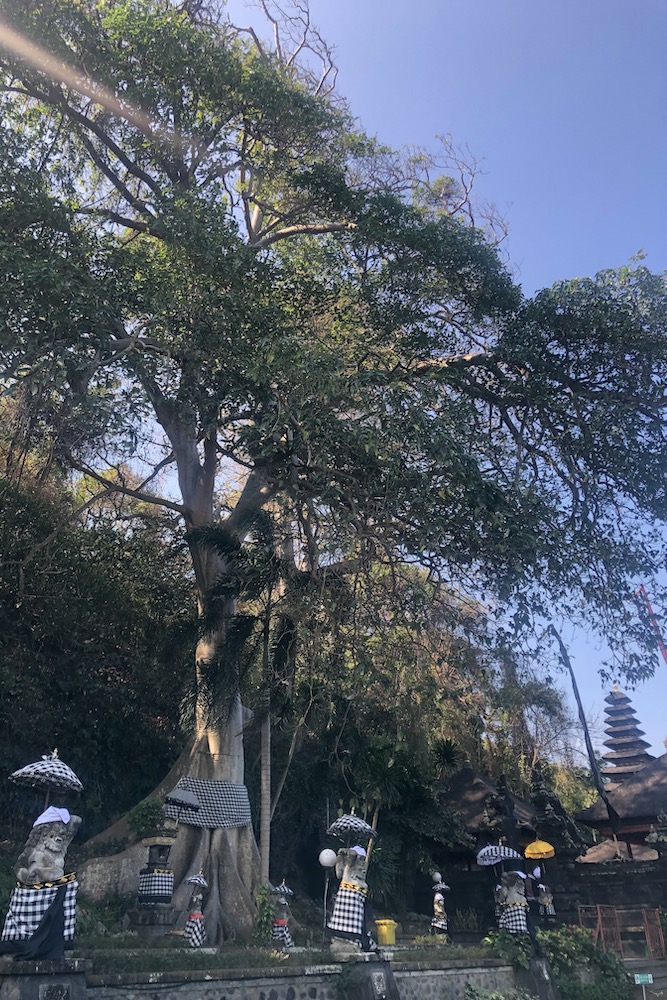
197	880
282	890
180	799
495	853
440	887
349	828
49	772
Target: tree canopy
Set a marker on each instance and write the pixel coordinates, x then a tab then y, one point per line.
214	279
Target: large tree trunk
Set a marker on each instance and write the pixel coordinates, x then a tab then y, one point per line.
228	857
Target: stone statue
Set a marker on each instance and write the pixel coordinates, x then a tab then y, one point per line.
498	818
280	932
439	921
511	900
657	836
195	925
43	857
545	898
551	819
42	909
349	921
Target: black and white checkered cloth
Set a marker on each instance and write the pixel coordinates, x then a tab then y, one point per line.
223	804
513	919
155	886
280	932
195	930
348	913
28	906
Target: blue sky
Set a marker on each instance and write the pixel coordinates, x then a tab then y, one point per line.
565	106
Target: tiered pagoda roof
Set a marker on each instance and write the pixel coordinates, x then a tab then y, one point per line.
627	750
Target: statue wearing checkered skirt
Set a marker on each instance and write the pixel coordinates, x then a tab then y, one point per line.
512	904
350	922
42	909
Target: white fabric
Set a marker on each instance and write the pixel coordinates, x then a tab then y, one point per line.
53	815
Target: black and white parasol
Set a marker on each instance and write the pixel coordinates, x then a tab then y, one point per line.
440	887
282	890
350	827
49	772
495	853
197	880
180	800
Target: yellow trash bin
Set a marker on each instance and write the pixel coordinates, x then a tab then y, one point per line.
386	931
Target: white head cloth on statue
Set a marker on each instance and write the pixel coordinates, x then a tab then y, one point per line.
53	815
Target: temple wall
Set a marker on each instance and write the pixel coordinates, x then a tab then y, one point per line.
316	983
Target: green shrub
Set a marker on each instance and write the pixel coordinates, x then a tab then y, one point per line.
573	951
514	948
103	916
583	971
465	920
264	919
475	993
146	818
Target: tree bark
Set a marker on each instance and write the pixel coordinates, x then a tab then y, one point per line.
229	858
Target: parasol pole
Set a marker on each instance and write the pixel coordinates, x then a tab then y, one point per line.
374	826
614	818
324	905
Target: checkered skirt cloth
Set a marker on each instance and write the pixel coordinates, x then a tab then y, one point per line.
155	887
28	906
195	929
439	922
280	932
513	919
348	913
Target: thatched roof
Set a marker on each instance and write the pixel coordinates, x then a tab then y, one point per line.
640	797
606	851
466	793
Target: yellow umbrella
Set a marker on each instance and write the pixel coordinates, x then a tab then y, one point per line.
539	850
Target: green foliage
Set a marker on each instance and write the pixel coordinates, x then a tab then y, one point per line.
465	920
92	641
177	957
101	917
146	818
476	993
264	919
582	969
514	948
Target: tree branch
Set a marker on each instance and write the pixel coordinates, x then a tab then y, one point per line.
314	229
112	487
